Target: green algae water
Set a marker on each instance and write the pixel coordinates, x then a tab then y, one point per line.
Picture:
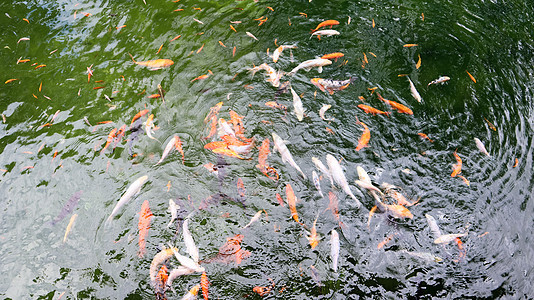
51	147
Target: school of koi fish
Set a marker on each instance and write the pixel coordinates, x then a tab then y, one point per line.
229	142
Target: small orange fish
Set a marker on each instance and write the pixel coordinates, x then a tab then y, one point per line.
178	146
410	45
233	51
313	238
145	215
424	136
464	179
98	87
395	105
371	110
39	66
491	125
292	202
458	166
279	199
139	115
22	61
334	55
222	44
204	283
385	241
263	153
232	27
364	138
201	77
154	96
10	80
213	126
111	135
155	64
516	162
471	76
418	64
175	38
371	213
325	23
200	49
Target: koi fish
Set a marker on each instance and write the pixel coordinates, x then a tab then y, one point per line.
364	138
110	137
227	152
481	147
251	35
241	191
309	64
339	177
441	79
145	216
139	115
132	190
334	249
190	245
323	110
414	91
297	104
170	146
213	112
255	218
149	124
317	183
422	255
394	210
68	208
204	283
173	209
280	145
292	202
230	251
368	186
192	294
313	238
371	110
278	51
154	64
433	226
447	238
327	32
319	165
159	259
326	23
160	283
334	207
69	226
274	76
178	146
329	85
424	136
334	55
395	105
458	166
279	199
276	105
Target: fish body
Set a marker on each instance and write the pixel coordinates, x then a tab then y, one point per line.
170	146
132	190
458	166
251	35
173	209
395	105
274	76
330	85
313	238
187	262
441	79
326	32
149	124
368	186
394	210
160	283
255	218
297	105
175	273
309	64
323	110
371	110
292	202
422	255
69	227
139	115
325	23
145	216
481	147
278	51
280	145
414	91
68	207
204	284
319	165
339	177
447	238
334	249
154	64
225	128
433	226
334	55
159	259
317	183
241	191
192	249
364	138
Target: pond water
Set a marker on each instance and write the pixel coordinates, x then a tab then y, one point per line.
53	157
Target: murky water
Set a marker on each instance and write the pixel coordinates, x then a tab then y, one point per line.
47	157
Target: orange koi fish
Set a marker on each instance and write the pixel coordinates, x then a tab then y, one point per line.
213	127
139	115
471	76
10	80
394	210
325	23
264	153
334	55
292	202
418	64
111	135
227	152
230	251
119	135
395	105
371	110
424	136
458	166
178	146
410	45
204	283
201	77
155	64
385	241
276	105
213	112
161	281
145	215
364	138
215	145
313	238
279	199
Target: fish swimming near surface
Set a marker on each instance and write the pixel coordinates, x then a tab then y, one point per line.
334	249
330	85
313	238
447	238
161	282
395	105
69	227
154	64
441	79
297	104
145	216
190	245
433	226
363	141
230	251
278	51
274	76
68	207
326	32
414	91
323	110
325	23
319	165
457	168
481	147
292	202
394	210
317	183
339	177
132	191
159	259
371	110
171	145
280	145
309	64
173	209
192	294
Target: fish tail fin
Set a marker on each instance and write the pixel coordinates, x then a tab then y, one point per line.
388	113
132	58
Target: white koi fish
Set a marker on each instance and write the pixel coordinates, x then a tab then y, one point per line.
280	145
278	51
447	238
297	104
187	262
317	183
274	76
481	147
319	165
422	255
175	273
132	191
334	249
173	209
442	79
339	177
309	64
323	110
225	128
254	219
192	249
414	91
326	32
251	35
433	226
368	186
330	85
170	146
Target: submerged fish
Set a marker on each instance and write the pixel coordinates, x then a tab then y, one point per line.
309	64
323	110
145	216
481	147
433	226
442	79
192	249
69	226
280	145
278	51
173	209
326	23
170	146
155	64
326	32
339	177
330	85
297	104
317	183
68	208
255	218
334	249
274	76
132	190
422	255
447	238
319	165
414	91
292	202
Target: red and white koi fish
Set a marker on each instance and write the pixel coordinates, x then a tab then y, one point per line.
280	145
278	51
309	64
274	76
330	86
339	177
159	259
132	190
442	79
326	32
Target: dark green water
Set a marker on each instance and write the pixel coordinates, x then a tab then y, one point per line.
491	39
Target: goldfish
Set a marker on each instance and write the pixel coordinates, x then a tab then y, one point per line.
192	294
364	138
326	23
255	218
297	104
111	135
334	249
10	80
481	147
69	226
280	145
418	64
132	190
394	210
274	76
334	55
263	153
441	79
170	146
227	152
313	237
145	215
278	51
309	64
139	115
395	105
154	64
317	183
424	136
385	241
323	110
458	166
410	45
447	238
328	32
292	202
275	104
160	283
414	91
339	177
329	85
371	110
215	145
213	112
